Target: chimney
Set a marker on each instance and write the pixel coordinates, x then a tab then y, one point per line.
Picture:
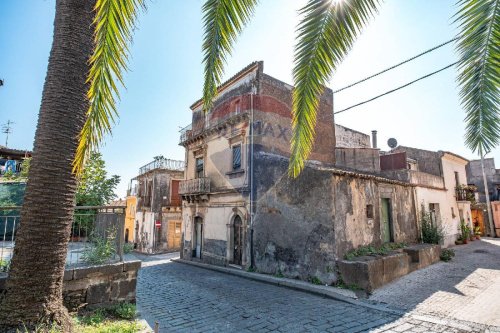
374	139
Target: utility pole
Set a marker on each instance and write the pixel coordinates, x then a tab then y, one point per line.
487	194
7	129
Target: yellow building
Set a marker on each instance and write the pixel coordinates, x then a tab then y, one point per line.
131	203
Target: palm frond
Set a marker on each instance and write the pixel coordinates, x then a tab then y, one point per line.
114	22
223	21
325	36
478	46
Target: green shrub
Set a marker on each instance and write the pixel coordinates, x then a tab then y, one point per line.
128	248
447	254
101	248
371	250
464	230
125	311
315	280
431	234
94	318
4	265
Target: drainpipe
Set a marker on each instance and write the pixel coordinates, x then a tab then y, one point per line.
252	257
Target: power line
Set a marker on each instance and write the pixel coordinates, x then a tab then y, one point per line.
396	89
397	65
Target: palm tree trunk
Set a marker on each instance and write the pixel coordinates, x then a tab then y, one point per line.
34	286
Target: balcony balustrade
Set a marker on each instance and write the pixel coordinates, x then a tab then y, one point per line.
195	186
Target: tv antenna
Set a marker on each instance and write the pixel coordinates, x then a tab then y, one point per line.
7	129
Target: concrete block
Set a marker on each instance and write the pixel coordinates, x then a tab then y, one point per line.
395	266
424	254
97	294
84	272
134	265
372	272
68	274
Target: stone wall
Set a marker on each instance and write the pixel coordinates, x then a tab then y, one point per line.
96	286
361	159
428	161
349	138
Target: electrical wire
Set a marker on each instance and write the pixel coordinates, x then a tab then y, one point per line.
397	65
396	89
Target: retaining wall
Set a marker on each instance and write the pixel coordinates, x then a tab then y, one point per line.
96	286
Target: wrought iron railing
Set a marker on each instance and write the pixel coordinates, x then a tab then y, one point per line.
95	230
162	163
465	193
195	186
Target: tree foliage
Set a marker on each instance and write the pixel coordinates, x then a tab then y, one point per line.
479	67
223	21
114	22
94	186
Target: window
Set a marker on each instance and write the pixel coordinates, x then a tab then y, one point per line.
369	211
199	168
457	181
453	212
237	108
434	213
237	157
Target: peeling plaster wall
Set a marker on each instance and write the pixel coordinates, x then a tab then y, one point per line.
302	226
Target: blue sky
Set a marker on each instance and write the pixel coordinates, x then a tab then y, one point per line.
166	75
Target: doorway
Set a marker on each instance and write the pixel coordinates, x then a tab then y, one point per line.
386	221
237	240
198	237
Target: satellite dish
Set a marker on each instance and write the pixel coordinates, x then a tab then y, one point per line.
393	143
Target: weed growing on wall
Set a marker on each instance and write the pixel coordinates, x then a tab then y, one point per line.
101	249
431	233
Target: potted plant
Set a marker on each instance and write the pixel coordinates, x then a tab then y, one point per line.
464	231
477	232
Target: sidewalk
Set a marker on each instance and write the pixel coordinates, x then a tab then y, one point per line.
466	288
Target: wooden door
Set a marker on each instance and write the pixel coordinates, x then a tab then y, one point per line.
174	234
198	237
386	221
477	219
238	241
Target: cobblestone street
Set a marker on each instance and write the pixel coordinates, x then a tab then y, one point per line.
184	298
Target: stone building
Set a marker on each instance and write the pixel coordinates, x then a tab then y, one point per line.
241	208
479	211
158	216
438	177
475	176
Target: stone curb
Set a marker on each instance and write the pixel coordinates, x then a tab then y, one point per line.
296	285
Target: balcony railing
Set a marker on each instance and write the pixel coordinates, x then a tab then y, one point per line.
162	163
195	186
465	193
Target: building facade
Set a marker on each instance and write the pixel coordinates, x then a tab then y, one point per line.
241	208
438	178
158	209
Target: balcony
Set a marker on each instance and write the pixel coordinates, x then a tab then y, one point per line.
465	193
161	162
194	186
